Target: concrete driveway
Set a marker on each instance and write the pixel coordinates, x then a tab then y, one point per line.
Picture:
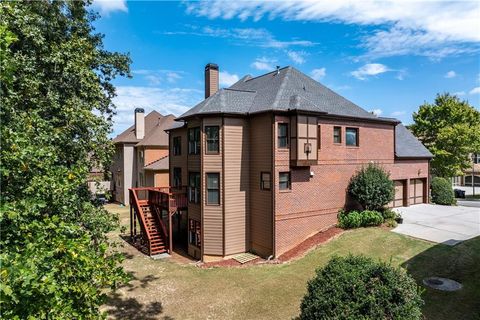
442	224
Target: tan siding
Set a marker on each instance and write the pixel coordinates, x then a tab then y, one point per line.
212	214
261	225
236	184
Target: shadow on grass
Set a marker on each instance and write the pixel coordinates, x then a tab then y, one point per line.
122	307
460	263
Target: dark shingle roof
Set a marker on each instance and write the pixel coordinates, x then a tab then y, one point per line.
407	145
289	89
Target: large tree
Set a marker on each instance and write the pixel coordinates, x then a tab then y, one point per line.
450	129
56	107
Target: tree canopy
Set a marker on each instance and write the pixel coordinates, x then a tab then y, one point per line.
450	129
56	108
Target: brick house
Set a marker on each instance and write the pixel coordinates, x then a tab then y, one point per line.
141	154
471	176
267	161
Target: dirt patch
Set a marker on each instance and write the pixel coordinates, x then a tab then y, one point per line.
230	263
311	243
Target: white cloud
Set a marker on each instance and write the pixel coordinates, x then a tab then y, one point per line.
398	113
244	36
156	77
318	74
376	112
108	6
450	74
166	101
430	28
263	64
475	90
226	79
297	56
370	69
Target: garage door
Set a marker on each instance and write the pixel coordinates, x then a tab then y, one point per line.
416	191
399	194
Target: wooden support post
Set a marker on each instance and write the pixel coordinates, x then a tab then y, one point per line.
131	223
170	244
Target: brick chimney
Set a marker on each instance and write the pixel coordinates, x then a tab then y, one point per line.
211	79
139	123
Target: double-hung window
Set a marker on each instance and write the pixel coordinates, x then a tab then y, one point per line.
212	139
282	135
265	181
194	187
337	134
351	137
284	181
213	188
177	146
194	140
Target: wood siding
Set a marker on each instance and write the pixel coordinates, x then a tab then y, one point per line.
236	170
260	204
212	214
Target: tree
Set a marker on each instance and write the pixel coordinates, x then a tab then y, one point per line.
371	187
56	108
356	287
442	192
450	129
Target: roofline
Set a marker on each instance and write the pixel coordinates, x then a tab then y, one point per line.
390	121
413	158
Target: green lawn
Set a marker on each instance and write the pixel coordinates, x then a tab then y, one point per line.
167	290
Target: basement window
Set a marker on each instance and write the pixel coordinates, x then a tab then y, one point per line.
194	233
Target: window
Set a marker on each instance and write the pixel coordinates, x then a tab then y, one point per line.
177	177
194	140
213	188
351	136
283	135
265	180
476	157
284	181
177	146
141	180
212	139
194	187
337	135
194	232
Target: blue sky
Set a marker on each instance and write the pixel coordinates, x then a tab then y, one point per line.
385	56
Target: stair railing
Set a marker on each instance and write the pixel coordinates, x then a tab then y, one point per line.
139	213
156	200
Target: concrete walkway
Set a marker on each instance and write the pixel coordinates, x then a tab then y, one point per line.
442	224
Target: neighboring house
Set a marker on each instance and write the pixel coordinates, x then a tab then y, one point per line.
97	184
141	155
471	174
268	160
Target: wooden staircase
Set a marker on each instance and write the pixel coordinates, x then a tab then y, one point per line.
146	208
157	243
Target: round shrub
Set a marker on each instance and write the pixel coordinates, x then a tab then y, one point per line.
371	218
442	191
349	220
371	187
356	287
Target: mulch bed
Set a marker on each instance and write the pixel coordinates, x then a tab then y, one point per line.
303	248
299	251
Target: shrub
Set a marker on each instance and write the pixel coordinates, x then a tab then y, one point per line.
356	287
442	191
371	218
391	223
371	187
349	220
356	219
388	213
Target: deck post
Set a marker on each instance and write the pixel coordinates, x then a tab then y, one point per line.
131	223
170	242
